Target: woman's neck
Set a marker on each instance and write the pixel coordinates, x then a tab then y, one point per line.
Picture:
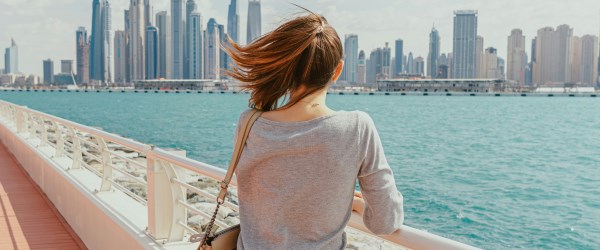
310	107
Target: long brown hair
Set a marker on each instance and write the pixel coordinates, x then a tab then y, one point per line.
303	51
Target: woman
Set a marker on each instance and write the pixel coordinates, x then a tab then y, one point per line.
298	171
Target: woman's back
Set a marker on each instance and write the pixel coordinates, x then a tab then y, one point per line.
296	182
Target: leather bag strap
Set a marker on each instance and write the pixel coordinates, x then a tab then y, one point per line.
243	133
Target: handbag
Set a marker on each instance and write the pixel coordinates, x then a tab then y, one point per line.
227	239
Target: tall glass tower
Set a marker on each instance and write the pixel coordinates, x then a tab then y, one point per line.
254	21
196	47
100	42
434	53
11	58
233	21
212	50
190	7
177	38
399	50
351	58
464	52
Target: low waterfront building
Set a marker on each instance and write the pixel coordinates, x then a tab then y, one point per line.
183	84
441	85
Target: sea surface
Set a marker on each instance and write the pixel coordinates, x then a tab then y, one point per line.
493	172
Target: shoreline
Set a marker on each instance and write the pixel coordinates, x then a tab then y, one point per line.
330	92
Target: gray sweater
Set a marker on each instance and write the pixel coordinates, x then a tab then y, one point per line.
297	180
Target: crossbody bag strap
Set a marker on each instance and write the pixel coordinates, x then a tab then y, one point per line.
243	133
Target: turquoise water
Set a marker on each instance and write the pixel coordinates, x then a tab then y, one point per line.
493	172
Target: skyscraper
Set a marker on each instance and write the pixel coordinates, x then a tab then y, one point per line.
11	58
480	51
410	64
223	57
152	55
386	70
589	64
163	23
211	50
127	24
362	70
419	66
254	21
83	56
190	7
516	57
434	53
66	66
552	55
120	57
48	71
137	39
351	58
464	44
177	38
399	50
490	64
196	46
100	42
233	21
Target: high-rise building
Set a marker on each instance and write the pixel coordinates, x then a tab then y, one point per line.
66	66
361	74
516	57
233	21
152	56
375	65
410	64
190	7
120	57
48	71
490	64
196	47
254	21
479	61
575	60
386	70
351	58
83	56
419	66
399	56
223	57
589	64
100	42
552	55
11	58
137	39
434	53
127	47
212	50
177	38
163	23
464	64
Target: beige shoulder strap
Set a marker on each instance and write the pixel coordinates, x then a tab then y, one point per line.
243	133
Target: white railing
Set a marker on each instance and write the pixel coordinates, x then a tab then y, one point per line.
172	187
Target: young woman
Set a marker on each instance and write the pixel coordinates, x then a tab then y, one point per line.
298	170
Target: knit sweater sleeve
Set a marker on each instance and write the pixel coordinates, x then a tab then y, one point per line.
384	203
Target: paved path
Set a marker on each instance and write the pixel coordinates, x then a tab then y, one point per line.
28	220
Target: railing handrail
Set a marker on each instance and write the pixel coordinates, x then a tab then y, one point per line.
407	236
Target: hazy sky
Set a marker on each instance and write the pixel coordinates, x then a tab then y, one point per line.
46	28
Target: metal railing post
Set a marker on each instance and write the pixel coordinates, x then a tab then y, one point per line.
77	158
106	165
60	141
164	212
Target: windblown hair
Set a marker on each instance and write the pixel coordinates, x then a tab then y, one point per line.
303	51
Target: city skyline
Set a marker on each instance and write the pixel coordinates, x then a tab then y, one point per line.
373	30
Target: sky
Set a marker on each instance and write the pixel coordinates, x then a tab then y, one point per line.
46	28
